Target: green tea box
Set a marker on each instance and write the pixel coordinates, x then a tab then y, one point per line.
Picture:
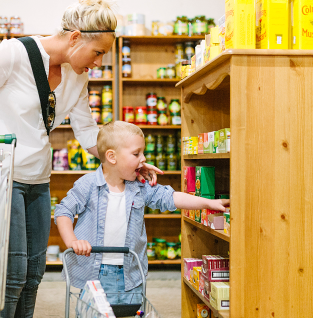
205	181
222	141
211	141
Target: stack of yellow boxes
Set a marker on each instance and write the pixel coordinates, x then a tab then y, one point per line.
190	145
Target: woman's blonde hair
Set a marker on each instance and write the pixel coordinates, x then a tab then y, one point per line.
89	15
114	134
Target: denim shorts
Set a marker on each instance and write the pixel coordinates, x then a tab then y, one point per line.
112	280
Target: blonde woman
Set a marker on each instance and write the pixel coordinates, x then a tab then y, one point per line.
87	33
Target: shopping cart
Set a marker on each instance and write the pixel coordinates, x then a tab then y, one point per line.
143	309
7	147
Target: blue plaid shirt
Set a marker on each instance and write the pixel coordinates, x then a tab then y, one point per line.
89	199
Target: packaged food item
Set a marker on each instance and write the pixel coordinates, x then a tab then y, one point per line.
150	143
227	222
126	49
174	107
60	160
135	24
128	114
192	214
94	98
219	297
126	67
89	161
195	278
97	72
54	202
66	120
171	162
272	24
150	158
189	264
240	22
189	50
170	144
301	24
161	104
162	118
160	249
152	117
198	216
215	145
181	26
155	27
141	115
161	161
179	52
200	143
151	100
205	181
171	253
170	71
203	311
151	251
96	114
221	35
222	141
107	95
199	25
107	115
107	71
227	131
178	250
189	179
159	144
74	155
161	72
153	211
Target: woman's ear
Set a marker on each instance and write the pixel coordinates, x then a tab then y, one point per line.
74	38
110	156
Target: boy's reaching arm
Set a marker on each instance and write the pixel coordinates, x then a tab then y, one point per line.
190	202
65	227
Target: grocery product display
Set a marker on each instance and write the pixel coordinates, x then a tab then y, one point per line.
160	249
11	26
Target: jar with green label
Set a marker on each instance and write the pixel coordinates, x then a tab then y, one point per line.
161	104
171	162
160	160
178	250
150	143
160	249
200	25
159	144
171	250
151	251
170	144
161	72
162	118
150	158
174	107
181	26
170	71
107	95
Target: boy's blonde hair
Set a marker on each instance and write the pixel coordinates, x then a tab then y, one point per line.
89	15
113	134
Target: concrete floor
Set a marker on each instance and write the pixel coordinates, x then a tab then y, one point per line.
163	291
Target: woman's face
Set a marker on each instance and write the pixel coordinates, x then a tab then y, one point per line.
86	54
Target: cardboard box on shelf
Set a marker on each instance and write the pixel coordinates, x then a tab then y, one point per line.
189	179
195	277
205	181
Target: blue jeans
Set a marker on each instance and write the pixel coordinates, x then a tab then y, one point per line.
29	234
112	280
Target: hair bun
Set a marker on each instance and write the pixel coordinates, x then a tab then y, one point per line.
103	3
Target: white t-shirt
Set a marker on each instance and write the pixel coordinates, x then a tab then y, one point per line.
20	110
115	227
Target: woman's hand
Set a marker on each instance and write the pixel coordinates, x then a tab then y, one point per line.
148	172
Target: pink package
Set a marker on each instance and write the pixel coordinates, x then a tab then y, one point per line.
218	275
206	289
189	179
189	264
201	283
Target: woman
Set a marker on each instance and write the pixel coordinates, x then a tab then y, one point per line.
87	33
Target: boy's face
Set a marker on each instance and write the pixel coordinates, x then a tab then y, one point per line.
130	157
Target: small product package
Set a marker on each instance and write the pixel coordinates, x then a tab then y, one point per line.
207	289
216	221
227	131
198	216
215	144
205	143
189	179
195	277
218	275
206	54
227	221
205	181
215	43
203	311
210	147
219	297
272	24
200	143
221	34
192	214
201	283
222	141
189	264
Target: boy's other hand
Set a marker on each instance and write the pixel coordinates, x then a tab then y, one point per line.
219	205
148	172
81	247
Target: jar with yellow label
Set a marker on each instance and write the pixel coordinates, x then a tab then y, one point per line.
170	71
161	72
107	115
171	252
160	249
107	95
174	106
162	118
200	25
161	104
179	52
155	27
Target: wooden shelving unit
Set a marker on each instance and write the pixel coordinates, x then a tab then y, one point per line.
265	97
82	172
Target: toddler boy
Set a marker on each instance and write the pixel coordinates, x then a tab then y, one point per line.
110	205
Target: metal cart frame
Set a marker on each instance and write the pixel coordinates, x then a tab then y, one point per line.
6	184
145	304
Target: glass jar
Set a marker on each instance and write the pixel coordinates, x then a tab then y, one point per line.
171	162
152	117
189	50
178	250
181	26
179	52
15	29
175	119
96	114
4	29
159	144
151	100
171	250
54	202
151	251
162	118
107	115
170	71
94	99
200	25
153	211
107	71
178	160
161	104
184	65
15	20
190	28
150	143
97	72
128	114
141	115
3	20
107	95
160	249
150	158
161	72
170	144
126	67
155	28
160	161
126	49
174	107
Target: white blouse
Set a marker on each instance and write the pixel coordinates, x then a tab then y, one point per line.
20	111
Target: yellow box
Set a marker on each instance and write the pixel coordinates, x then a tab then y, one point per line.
302	24
272	24
214	51
195	277
214	35
240	24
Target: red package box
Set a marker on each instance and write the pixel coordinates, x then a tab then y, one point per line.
218	275
207	289
189	179
201	283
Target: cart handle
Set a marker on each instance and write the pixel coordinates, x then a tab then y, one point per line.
103	249
7	139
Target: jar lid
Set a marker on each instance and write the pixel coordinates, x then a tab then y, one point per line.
151	243
128	107
170	244
95	109
94	92
160	240
108	110
162	68
126	59
161	97
107	67
107	86
148	94
187	62
175	100
171	65
162	112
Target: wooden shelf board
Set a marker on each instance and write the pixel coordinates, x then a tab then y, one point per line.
159	127
216	313
156	262
219	233
101	79
162	39
151	80
208	156
150	216
80	172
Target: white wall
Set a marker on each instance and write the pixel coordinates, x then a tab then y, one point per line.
44	16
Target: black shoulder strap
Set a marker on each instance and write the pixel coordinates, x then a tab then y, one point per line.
40	75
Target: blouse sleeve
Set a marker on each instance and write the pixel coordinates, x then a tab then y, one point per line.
7	56
84	126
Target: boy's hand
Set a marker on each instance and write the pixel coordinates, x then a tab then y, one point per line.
148	172
218	205
81	247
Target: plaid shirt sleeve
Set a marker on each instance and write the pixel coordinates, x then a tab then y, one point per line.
159	197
